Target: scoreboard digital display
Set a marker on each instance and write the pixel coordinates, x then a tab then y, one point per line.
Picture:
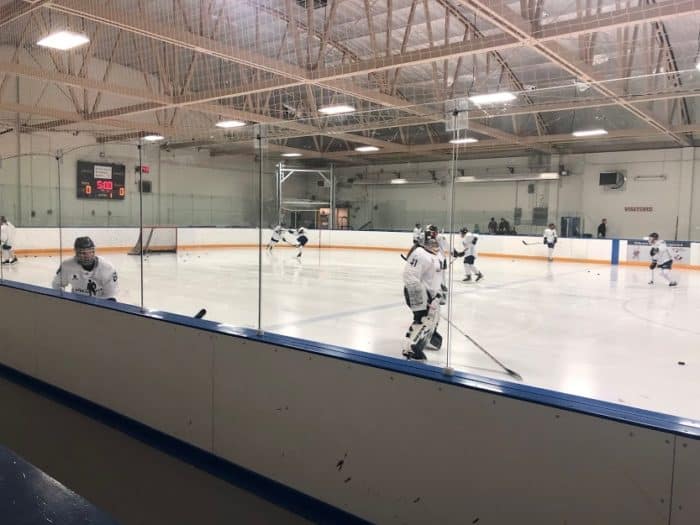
101	180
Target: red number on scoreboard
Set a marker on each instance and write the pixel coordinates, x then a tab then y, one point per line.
88	189
121	192
105	185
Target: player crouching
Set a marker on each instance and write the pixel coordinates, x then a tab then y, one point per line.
420	276
661	258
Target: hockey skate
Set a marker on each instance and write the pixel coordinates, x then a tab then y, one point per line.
467	279
673	283
479	276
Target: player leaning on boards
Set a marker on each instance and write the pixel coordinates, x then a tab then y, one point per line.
469	240
661	258
7	239
550	239
421	289
86	273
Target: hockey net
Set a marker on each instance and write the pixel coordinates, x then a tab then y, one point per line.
156	239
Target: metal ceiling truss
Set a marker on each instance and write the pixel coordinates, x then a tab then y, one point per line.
267	75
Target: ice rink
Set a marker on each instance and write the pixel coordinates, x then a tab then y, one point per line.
587	329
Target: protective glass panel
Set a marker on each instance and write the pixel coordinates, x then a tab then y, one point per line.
29	204
98	219
199	237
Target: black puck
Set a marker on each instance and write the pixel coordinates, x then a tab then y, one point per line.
681	362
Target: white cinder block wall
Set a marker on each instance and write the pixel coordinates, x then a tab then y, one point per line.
668	181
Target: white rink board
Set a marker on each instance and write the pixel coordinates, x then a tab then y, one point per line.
451	455
580	249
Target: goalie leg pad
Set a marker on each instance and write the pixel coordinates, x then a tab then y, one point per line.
416	296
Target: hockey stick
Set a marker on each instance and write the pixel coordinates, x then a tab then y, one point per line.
510	372
530	243
201	313
652	276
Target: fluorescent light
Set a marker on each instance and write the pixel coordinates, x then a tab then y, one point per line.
366	149
398	181
337	109
230	124
63	40
291	154
464	140
465	178
697	66
153	138
550	175
589	133
492	98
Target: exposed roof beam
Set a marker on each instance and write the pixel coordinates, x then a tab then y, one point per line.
513	24
17	9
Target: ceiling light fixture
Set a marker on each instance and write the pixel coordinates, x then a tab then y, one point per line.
63	40
153	138
492	98
226	124
398	180
291	155
366	149
589	133
697	66
464	140
336	109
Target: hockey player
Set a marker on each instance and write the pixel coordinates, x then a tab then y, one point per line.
277	236
443	255
660	258
7	239
86	273
550	239
417	232
469	241
301	240
419	278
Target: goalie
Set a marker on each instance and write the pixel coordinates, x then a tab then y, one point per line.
420	277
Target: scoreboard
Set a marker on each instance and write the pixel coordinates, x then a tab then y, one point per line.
101	180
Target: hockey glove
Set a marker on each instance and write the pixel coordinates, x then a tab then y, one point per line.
545	240
455	253
6	246
653	251
652	265
474	240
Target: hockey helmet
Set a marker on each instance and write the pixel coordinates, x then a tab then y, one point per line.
653	237
464	230
84	251
301	230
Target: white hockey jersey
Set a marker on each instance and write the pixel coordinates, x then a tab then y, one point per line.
663	253
550	235
422	267
277	233
444	245
7	233
417	234
101	281
469	244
